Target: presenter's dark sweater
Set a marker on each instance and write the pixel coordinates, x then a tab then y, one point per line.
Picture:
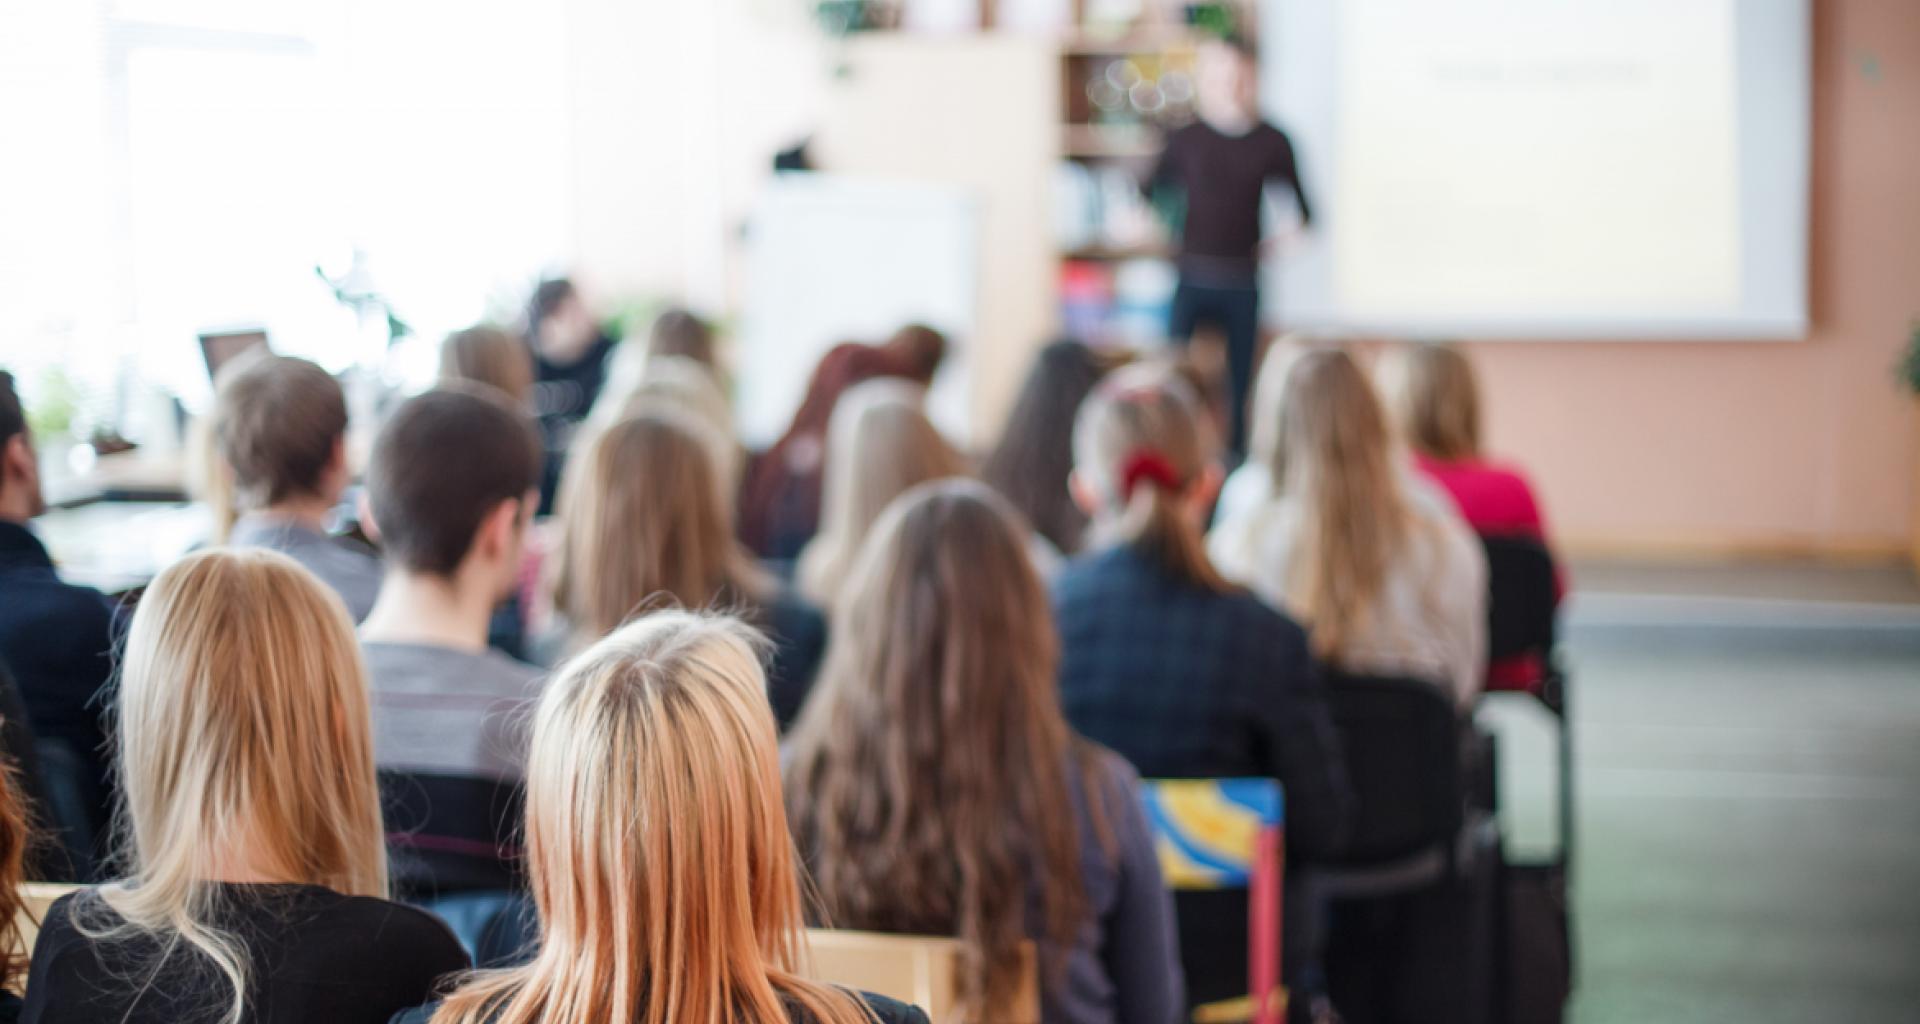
1222	177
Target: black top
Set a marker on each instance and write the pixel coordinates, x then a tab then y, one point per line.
1222	177
799	634
58	640
563	394
889	1011
1187	682
317	957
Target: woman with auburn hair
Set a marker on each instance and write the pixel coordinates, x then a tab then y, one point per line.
489	355
657	847
880	444
1183	674
16	835
1430	393
257	867
935	788
1385	576
642	523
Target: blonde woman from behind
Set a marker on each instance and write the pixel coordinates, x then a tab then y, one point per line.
257	869
1385	576
658	853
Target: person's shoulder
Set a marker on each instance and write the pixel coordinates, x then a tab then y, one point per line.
387	927
892	1011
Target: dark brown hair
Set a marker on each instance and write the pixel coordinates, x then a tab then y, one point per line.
444	460
1034	456
13	418
928	778
277	421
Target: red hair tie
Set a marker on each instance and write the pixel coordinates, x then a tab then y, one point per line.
1149	465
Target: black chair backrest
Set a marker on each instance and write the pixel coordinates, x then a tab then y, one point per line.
1523	590
1402	743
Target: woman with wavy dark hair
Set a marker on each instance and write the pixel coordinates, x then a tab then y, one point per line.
935	788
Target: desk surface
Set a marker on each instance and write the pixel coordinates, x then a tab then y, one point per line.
116	546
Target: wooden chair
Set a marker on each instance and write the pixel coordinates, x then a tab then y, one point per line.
36	897
915	969
1228	834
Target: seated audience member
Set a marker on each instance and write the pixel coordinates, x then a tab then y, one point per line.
1181	673
444	705
678	332
1429	391
780	497
879	445
486	354
677	383
642	523
1385	577
658	855
570	356
281	427
256	867
56	638
1034	456
16	836
935	788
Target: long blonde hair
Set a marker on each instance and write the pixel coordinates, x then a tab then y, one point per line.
641	519
927	775
657	843
1431	394
242	720
1334	455
1140	445
879	444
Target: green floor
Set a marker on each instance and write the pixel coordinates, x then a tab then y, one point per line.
1749	818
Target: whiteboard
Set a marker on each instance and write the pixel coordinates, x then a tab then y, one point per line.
832	258
1578	169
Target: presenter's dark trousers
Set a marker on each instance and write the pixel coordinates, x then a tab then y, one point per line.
1234	310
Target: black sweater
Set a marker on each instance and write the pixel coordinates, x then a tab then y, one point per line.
1221	178
315	957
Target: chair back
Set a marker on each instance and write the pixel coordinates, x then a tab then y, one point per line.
921	970
35	899
1401	738
1523	593
1228	834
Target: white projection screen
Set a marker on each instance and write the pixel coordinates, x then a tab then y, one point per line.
1543	168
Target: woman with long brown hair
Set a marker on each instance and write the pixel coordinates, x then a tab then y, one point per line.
16	835
936	789
642	523
257	869
1385	576
880	443
657	847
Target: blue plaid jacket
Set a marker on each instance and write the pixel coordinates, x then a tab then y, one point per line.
1186	682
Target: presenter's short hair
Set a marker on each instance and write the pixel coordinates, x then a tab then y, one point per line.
444	460
277	421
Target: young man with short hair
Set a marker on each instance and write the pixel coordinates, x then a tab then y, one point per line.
56	638
281	427
451	490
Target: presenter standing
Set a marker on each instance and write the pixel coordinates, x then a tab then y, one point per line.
1218	168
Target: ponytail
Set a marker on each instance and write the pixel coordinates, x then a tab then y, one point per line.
1139	441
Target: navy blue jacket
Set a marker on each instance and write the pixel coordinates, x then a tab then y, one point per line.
58	640
1188	682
